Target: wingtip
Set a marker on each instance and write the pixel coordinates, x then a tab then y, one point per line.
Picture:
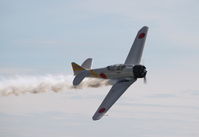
95	118
144	28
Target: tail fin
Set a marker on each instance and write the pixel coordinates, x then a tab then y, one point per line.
87	63
77	68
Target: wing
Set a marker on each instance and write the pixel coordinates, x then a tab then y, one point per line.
135	53
116	91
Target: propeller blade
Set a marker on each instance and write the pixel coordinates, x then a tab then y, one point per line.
145	80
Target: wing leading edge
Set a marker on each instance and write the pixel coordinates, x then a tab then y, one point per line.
115	92
136	50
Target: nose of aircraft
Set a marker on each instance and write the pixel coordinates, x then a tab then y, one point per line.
139	71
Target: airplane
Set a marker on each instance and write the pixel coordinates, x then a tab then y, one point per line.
123	75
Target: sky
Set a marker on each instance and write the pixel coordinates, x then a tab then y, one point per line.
40	39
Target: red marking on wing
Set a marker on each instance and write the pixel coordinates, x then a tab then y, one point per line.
142	35
102	110
102	75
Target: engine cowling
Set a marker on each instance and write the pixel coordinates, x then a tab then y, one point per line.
139	71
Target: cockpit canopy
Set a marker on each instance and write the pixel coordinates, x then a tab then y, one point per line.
117	67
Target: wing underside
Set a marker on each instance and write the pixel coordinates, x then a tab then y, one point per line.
136	50
116	91
133	58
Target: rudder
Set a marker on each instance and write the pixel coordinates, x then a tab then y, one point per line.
87	63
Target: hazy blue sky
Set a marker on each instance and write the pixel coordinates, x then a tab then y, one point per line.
44	36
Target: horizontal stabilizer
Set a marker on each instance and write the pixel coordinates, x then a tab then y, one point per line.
77	68
78	79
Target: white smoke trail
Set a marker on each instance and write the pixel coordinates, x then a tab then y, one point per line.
37	84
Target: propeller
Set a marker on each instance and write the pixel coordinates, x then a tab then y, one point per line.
145	80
